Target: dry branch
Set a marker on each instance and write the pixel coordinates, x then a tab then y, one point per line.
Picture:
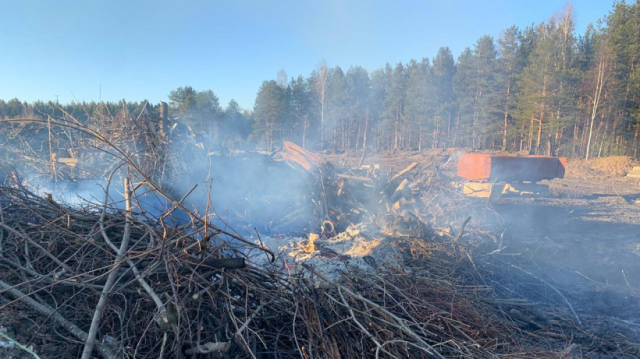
124	246
104	350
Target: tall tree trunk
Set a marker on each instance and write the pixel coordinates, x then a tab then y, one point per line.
397	129
636	137
455	131
334	138
366	127
522	135
542	113
305	123
474	132
449	128
506	117
322	122
321	91
576	139
603	138
596	98
530	143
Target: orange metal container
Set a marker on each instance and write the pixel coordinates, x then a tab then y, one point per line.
487	167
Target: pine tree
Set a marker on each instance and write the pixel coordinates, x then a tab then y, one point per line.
623	40
420	106
235	127
487	113
358	92
508	68
393	112
300	108
319	82
380	83
269	111
537	84
444	70
476	89
336	108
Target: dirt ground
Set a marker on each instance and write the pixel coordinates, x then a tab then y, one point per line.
589	226
584	240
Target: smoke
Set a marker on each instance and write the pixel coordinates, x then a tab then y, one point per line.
247	190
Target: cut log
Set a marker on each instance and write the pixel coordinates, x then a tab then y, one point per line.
398	193
354	178
295	155
409	168
71	162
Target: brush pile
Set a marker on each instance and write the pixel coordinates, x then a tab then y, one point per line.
113	278
118	283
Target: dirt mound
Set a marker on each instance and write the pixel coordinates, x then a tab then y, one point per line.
614	166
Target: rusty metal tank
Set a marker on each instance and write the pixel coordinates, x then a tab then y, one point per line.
507	168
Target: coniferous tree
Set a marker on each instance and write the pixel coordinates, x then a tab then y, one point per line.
380	82
394	101
336	107
300	110
319	83
358	90
487	113
466	91
508	68
419	107
269	110
537	84
623	40
235	127
444	70
200	110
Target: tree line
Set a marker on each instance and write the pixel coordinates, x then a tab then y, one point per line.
533	89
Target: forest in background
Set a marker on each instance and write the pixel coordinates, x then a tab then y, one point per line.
531	87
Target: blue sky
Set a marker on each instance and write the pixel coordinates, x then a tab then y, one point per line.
89	50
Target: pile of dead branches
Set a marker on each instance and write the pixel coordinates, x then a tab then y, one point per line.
115	278
109	280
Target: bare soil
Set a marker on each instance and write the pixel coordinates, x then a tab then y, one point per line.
615	166
584	241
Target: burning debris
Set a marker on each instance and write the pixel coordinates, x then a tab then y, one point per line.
182	291
332	261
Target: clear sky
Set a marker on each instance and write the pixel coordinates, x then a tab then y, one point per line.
86	50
